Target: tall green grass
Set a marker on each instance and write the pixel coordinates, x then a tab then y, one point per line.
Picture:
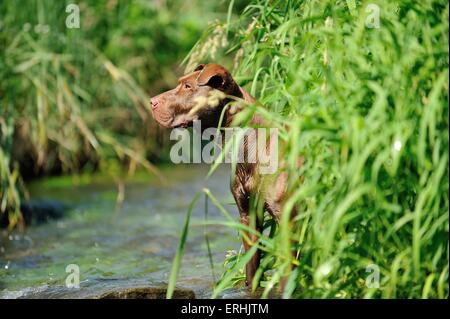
368	110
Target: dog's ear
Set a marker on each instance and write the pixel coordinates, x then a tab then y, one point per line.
213	76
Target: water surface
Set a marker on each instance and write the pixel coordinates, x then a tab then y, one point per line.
118	247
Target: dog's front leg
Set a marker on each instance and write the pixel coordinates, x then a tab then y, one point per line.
249	239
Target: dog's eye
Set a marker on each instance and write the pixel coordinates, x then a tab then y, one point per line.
187	86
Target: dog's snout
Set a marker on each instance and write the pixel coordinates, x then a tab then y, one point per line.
154	102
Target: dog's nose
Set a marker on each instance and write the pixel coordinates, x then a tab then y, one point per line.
154	103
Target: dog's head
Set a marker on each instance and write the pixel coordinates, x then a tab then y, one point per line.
196	98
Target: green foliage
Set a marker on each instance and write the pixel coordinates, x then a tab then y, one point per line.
9	195
76	100
367	108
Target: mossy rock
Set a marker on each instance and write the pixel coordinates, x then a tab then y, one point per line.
147	293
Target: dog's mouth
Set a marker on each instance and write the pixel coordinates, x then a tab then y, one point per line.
182	121
173	120
181	125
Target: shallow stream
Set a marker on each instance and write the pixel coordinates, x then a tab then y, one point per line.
117	248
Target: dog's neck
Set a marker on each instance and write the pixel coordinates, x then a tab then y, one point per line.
239	106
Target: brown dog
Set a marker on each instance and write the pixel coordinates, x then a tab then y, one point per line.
178	108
